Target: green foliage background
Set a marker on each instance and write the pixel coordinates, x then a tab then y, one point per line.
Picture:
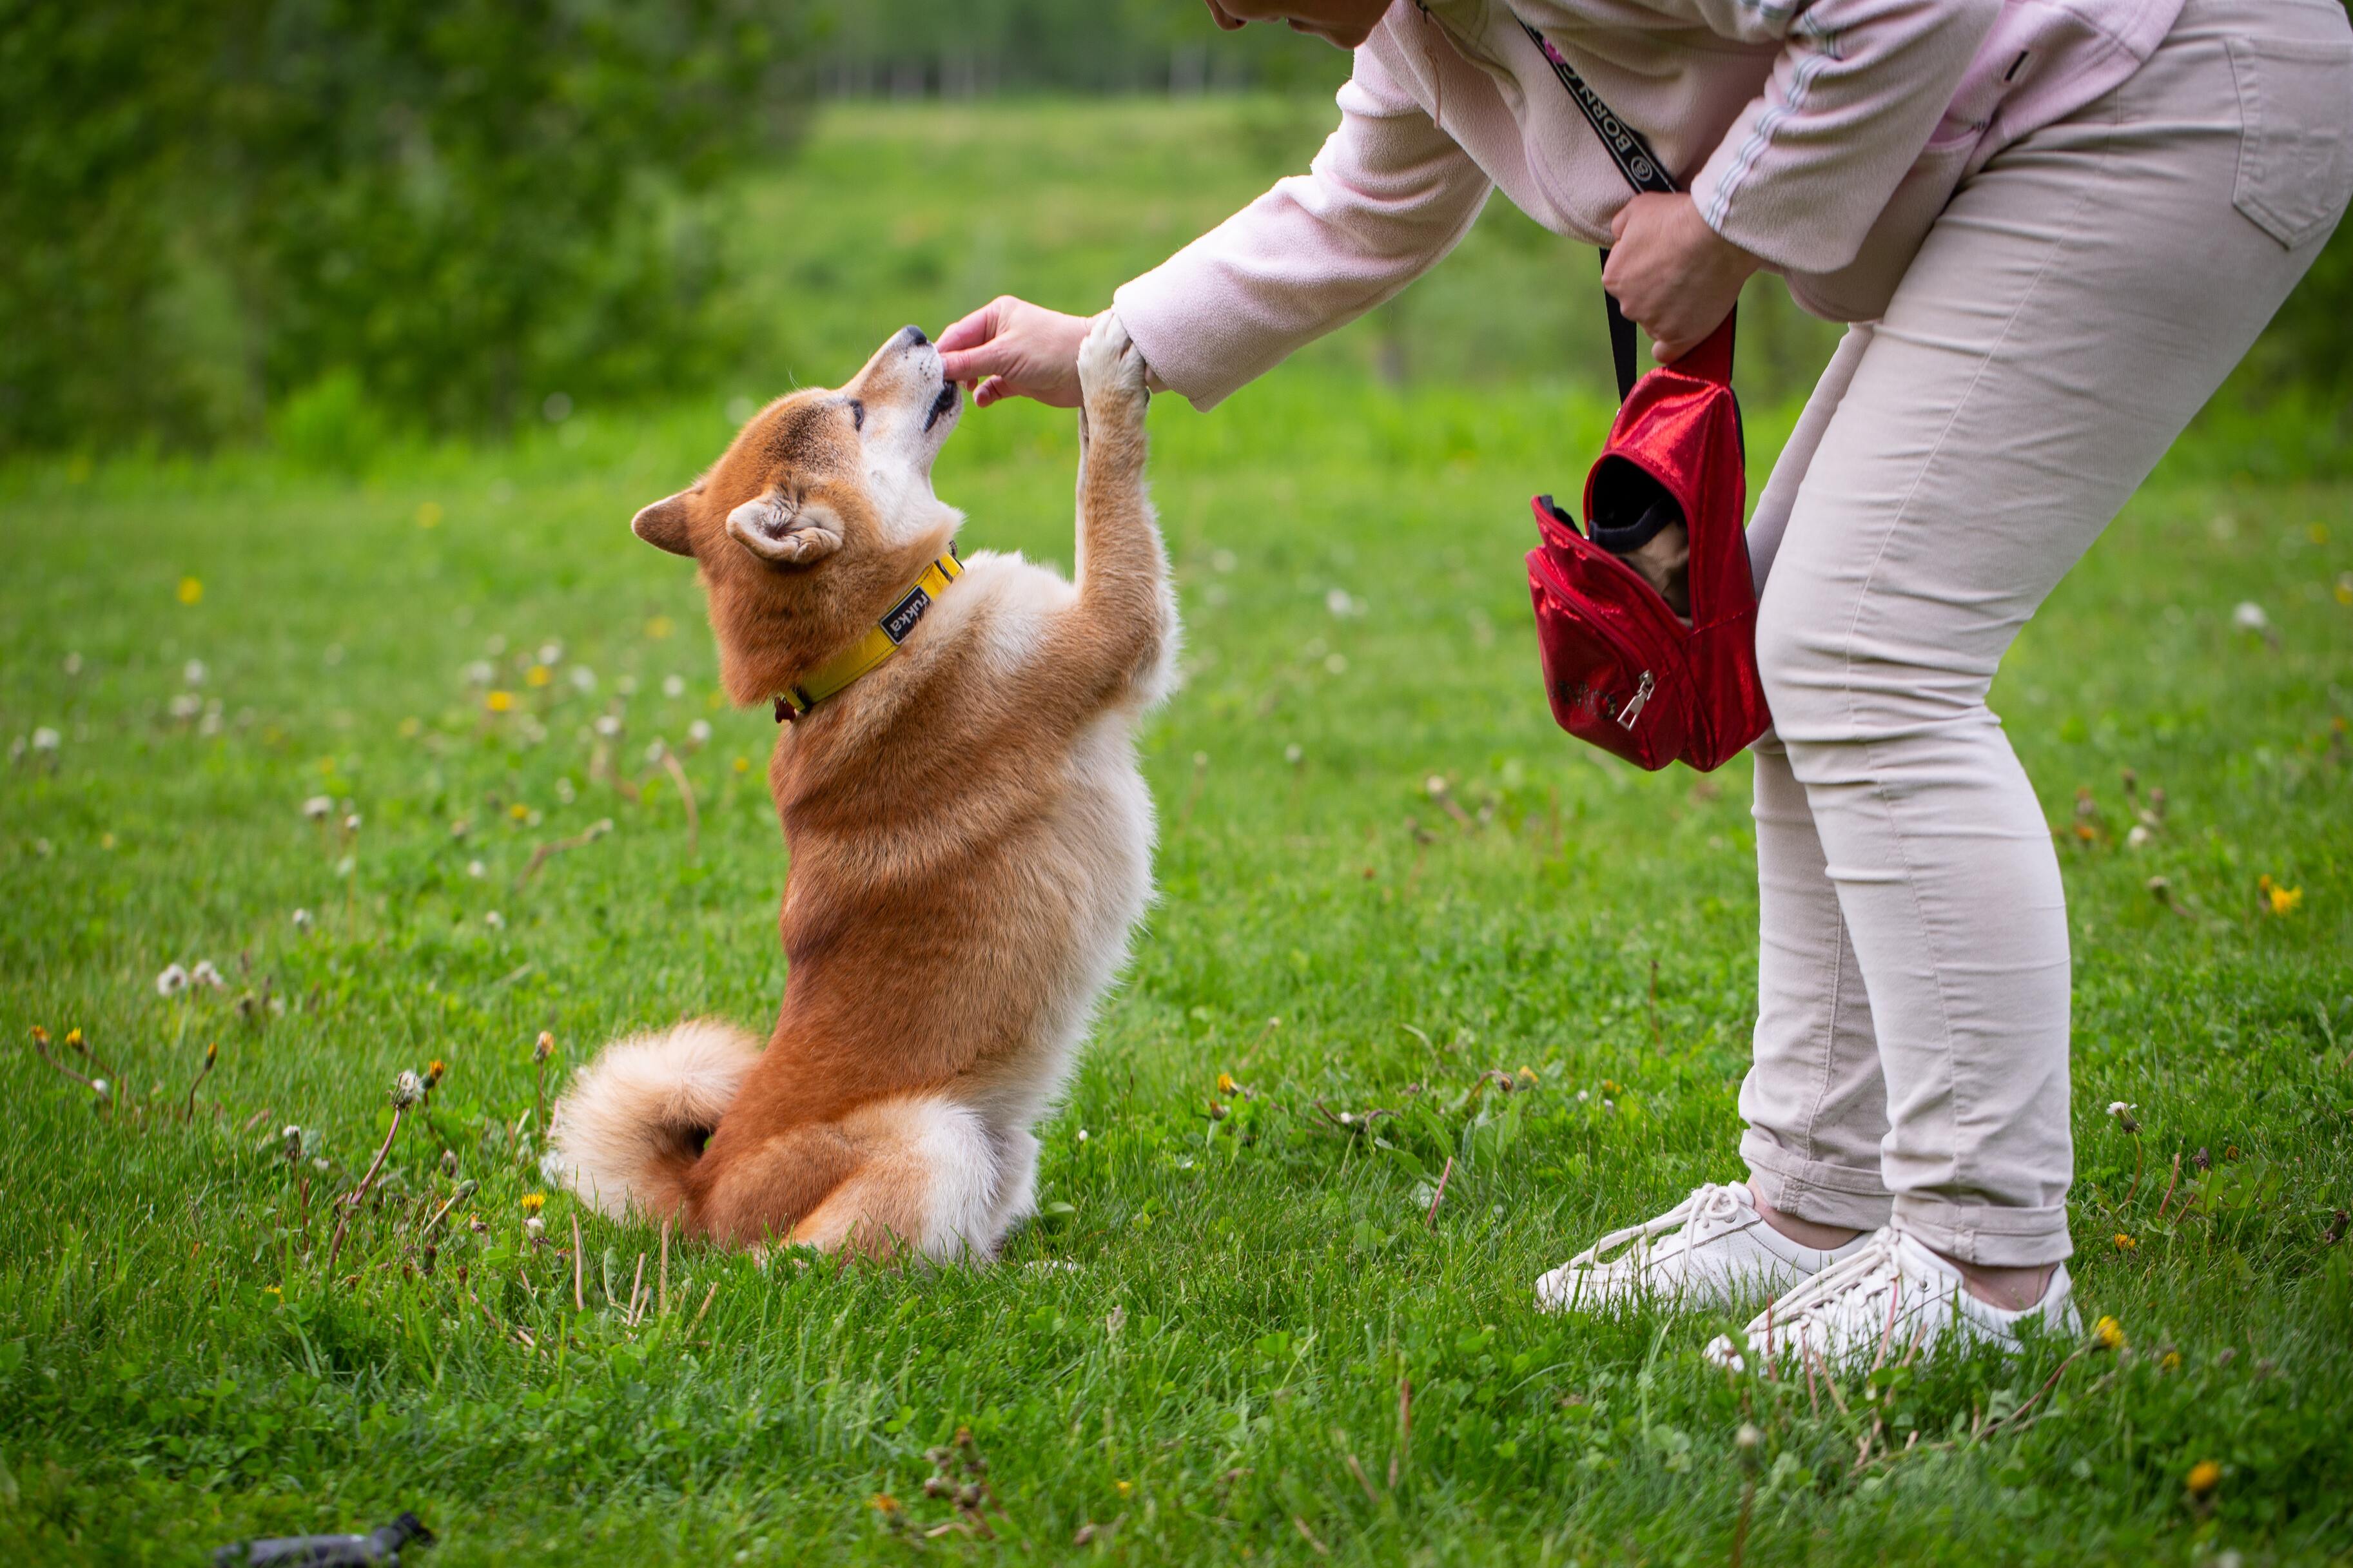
461	206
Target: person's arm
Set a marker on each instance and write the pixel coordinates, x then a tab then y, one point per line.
1388	197
1860	86
1801	177
1388	194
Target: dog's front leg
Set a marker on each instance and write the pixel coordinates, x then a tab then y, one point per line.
1123	625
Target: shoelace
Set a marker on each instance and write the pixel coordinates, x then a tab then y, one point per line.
1848	1285
1711	1206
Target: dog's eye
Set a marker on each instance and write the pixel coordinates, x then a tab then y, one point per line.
857	414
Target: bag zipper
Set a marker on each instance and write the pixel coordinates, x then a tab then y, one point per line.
1633	708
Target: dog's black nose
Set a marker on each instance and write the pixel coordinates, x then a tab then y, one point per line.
914	336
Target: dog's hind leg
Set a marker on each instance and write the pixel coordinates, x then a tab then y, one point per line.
1015	1199
915	1175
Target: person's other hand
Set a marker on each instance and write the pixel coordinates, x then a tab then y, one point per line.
1010	348
1672	273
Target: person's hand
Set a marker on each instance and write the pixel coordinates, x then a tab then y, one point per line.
1014	349
1672	273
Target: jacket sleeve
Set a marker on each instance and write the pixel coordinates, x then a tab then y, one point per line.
1856	93
1386	198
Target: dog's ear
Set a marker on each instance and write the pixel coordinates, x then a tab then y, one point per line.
783	531
666	524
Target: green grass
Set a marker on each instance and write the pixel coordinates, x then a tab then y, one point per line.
1204	1342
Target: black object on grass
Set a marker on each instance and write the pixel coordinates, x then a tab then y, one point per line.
382	1545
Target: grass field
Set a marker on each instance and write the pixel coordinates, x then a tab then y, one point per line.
1238	1337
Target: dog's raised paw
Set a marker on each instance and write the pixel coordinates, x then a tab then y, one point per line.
1111	370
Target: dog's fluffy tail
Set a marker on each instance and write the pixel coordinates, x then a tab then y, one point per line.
635	1119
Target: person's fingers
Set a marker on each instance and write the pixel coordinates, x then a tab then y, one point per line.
978	327
1618	225
988	392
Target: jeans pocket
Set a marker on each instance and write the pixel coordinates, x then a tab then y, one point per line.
2295	142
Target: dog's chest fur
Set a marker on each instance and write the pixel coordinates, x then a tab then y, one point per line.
962	884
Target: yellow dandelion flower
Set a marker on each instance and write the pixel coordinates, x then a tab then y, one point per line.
518	811
2171	1362
533	1202
411	727
191	591
659	628
499	701
433	1071
1226	1084
428	514
538	674
273	1290
743	764
2125	1243
2204	1477
2108	1334
883	1502
1124	1486
2286	900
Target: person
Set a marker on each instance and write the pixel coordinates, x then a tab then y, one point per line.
2056	227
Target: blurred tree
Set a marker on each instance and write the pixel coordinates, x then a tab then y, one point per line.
472	206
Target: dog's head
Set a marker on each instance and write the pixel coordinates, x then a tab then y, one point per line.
818	513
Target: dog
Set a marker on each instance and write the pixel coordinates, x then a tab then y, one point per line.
969	835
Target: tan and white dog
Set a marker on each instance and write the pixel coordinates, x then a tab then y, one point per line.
970	837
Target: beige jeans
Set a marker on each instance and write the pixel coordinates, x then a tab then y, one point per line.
2079	300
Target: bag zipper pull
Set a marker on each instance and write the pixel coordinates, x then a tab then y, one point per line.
1633	708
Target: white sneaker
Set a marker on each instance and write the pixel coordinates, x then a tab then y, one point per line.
1712	1249
1891	1298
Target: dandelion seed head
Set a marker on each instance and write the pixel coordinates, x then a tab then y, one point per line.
172	981
186	705
608	725
495	921
203	974
583	680
317	807
2249	616
533	1227
480	672
551	652
673	686
99	1087
1295	754
46	739
654	750
699	732
407	1089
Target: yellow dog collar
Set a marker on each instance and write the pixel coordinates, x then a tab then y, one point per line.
881	641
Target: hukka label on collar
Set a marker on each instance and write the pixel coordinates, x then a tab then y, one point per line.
905	614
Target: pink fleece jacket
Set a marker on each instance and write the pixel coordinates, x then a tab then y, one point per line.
1823	135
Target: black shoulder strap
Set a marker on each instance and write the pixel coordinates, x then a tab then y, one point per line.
1635	161
1625	144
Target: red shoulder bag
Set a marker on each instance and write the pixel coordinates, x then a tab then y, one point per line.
1622	669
